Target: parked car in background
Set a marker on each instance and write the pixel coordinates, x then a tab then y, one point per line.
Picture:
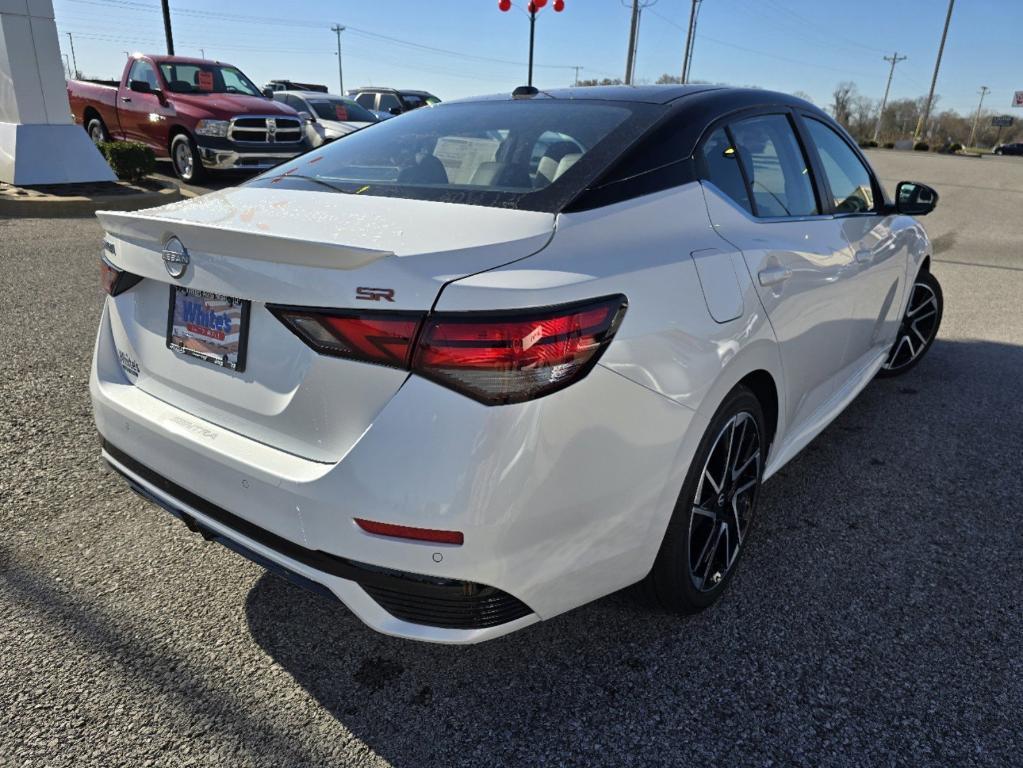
484	363
292	85
336	115
1009	149
391	100
203	115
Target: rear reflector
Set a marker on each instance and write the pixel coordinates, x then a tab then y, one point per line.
493	357
408	532
501	358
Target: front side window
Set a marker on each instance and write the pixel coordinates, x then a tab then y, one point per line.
143	71
368	100
718	163
207	78
496	153
848	178
778	173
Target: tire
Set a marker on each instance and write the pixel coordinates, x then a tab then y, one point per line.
97	131
685	579
919	326
185	159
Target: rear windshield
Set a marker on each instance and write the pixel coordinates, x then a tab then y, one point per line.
340	109
534	155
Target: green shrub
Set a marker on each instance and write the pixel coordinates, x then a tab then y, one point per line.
889	145
921	146
129	160
869	144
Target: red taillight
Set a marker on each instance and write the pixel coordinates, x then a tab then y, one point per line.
384	338
113	280
507	358
108	275
408	532
493	357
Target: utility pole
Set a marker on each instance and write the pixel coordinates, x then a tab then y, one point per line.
73	59
340	74
167	26
922	125
202	51
630	59
577	68
984	91
687	57
894	59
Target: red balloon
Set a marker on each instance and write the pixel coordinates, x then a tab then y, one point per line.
539	3
504	5
559	6
531	7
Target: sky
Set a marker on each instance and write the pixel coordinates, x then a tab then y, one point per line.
457	48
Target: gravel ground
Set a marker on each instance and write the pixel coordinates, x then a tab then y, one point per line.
876	620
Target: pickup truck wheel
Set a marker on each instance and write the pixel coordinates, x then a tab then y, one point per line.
185	158
97	131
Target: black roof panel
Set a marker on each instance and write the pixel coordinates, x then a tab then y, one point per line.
649	94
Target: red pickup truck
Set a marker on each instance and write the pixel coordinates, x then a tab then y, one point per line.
203	115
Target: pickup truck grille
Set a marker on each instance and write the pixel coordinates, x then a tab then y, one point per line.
265	130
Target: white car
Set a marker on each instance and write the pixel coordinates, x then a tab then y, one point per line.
462	386
330	117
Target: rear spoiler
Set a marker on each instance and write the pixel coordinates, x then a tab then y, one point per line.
149	230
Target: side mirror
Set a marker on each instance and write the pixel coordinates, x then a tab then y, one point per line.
395	110
140	86
914	199
307	117
268	92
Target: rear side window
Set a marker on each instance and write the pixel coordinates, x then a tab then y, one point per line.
718	163
388	101
368	100
847	176
777	171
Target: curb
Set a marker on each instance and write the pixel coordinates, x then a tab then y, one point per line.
51	207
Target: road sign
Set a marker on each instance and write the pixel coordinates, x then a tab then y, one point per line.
1017	99
1002	121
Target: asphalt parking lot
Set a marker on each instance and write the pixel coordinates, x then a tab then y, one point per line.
877	618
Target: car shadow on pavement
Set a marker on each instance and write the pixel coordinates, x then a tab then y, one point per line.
878	602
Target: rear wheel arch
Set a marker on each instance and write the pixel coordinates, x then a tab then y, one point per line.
762	384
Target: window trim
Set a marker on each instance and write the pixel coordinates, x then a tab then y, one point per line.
727	120
880	200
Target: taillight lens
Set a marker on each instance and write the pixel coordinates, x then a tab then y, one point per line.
501	358
493	357
113	280
384	338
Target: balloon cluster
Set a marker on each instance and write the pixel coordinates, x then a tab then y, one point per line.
533	6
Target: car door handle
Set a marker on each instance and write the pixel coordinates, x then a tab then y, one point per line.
126	98
774	276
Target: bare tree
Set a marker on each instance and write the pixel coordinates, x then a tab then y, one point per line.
843	96
803	95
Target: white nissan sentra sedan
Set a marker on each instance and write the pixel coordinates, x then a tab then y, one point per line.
493	360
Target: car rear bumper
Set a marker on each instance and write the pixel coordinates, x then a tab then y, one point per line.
561	500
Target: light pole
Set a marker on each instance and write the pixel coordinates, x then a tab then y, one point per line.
532	8
922	125
340	74
984	91
894	59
